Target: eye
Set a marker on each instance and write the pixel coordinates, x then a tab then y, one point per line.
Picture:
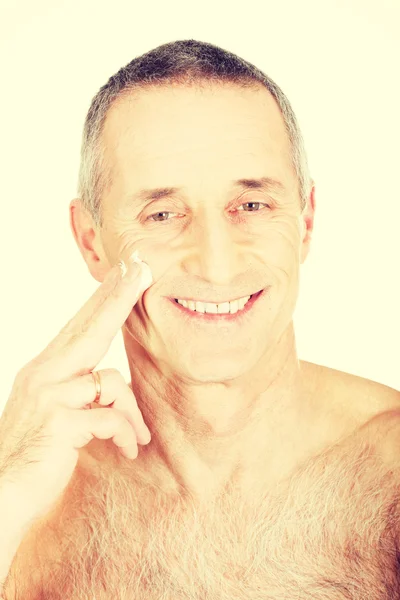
155	216
160	217
257	204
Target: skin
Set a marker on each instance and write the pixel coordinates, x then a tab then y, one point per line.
217	404
237	409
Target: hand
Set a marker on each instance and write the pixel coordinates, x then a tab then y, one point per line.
43	424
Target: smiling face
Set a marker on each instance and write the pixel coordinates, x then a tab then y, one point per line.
230	227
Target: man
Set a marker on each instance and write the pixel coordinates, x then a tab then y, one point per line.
266	476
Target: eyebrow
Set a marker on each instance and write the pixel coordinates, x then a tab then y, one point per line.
265	184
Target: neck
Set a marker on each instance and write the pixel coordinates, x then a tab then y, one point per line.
206	436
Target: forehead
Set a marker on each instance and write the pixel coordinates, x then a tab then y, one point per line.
184	136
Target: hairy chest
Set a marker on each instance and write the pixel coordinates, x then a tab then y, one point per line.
328	532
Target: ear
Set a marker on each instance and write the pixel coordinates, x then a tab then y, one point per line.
307	218
88	239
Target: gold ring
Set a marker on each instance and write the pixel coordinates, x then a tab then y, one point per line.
96	377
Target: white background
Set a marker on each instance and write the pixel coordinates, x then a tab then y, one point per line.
337	61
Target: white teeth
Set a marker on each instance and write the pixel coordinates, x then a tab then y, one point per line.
223	308
200	307
209	308
242	302
234	306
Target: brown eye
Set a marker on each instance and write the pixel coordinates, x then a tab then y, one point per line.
156	215
252	205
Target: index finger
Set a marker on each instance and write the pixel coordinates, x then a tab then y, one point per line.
86	338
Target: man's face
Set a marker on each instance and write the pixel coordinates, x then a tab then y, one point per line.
212	239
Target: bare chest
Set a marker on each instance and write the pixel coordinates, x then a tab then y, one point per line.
325	533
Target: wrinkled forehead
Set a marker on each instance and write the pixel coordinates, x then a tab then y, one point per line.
166	133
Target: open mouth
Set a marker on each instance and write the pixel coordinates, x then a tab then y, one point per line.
225	310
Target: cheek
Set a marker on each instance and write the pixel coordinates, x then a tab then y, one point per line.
281	244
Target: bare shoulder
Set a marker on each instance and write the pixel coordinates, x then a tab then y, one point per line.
356	408
384	434
357	398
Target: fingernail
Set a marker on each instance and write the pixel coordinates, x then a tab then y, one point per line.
146	276
123	267
129	274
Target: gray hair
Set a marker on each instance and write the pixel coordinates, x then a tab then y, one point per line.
186	62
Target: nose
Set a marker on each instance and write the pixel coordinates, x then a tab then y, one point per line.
216	253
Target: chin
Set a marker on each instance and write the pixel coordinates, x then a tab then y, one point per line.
216	371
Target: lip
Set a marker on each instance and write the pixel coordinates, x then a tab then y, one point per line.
224	318
213	301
